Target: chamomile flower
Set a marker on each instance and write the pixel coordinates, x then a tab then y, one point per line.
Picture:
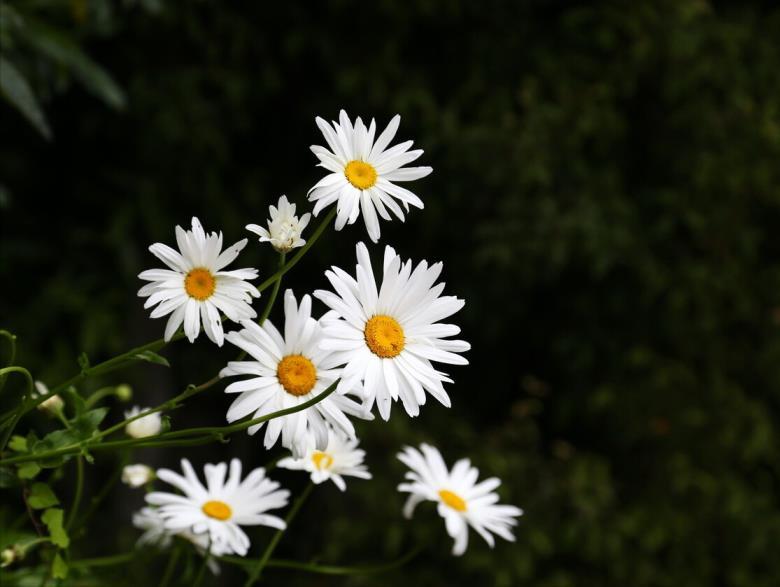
462	502
364	173
195	288
341	457
389	335
284	227
286	372
219	509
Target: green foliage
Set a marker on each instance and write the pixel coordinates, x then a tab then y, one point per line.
41	497
152	357
53	518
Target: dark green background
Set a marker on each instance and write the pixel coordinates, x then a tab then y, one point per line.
605	196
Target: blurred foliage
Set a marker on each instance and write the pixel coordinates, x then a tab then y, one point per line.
605	195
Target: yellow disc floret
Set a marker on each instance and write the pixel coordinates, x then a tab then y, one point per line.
360	174
453	500
297	374
384	336
200	284
218	510
322	460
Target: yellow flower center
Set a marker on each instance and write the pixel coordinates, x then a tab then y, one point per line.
360	174
322	460
200	284
453	500
297	374
218	510
384	336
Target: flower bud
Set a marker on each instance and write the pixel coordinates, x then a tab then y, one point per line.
52	405
124	393
8	556
142	427
137	475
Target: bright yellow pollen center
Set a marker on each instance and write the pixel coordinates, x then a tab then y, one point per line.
322	460
200	284
453	500
384	336
218	510
360	174
297	374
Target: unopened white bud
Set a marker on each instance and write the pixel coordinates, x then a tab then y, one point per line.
142	427
137	475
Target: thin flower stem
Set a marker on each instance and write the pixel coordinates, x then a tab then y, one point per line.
176	438
95	502
171	565
19	410
255	574
103	561
269	304
74	508
326	569
11	356
204	563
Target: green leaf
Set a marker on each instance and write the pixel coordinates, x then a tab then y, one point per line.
53	520
64	51
83	361
19	94
41	497
28	470
87	423
152	357
18	443
59	569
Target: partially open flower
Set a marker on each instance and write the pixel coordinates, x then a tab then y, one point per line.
52	405
284	227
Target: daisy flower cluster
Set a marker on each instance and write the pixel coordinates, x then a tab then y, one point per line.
383	338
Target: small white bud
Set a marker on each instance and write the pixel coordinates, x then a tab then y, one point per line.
137	475
8	556
52	405
142	427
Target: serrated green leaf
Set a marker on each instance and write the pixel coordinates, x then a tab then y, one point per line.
61	49
28	470
53	520
15	89
18	443
41	497
152	357
59	569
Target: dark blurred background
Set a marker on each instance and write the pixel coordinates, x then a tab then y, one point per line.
605	196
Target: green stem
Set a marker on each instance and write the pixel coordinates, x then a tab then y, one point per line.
103	561
255	574
177	438
325	569
20	409
11	356
171	565
204	563
269	304
99	395
105	490
74	508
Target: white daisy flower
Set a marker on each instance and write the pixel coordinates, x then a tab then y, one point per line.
363	171
287	372
339	458
219	509
389	335
137	475
284	227
462	501
195	288
149	425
